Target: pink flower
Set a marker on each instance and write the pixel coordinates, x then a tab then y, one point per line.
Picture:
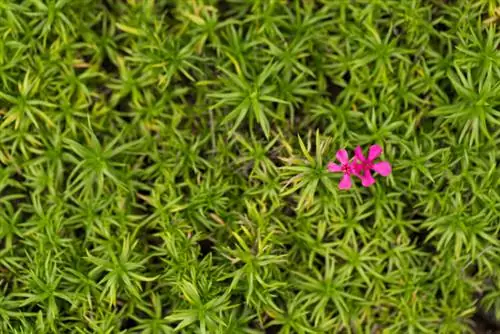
364	165
346	167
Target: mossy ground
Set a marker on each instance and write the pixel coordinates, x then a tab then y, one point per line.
163	166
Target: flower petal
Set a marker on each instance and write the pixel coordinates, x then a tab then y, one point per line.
342	156
374	152
367	179
357	169
358	153
383	168
333	167
345	183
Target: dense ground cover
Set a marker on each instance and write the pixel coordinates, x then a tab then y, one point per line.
163	166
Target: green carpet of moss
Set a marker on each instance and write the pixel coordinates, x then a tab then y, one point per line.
163	166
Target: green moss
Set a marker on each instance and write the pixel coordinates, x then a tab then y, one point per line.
162	166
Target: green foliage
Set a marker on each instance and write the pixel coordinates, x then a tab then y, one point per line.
162	166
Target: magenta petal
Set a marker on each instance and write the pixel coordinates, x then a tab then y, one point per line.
357	169
345	183
383	168
342	156
358	153
374	152
333	167
367	179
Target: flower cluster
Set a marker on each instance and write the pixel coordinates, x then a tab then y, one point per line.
360	166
